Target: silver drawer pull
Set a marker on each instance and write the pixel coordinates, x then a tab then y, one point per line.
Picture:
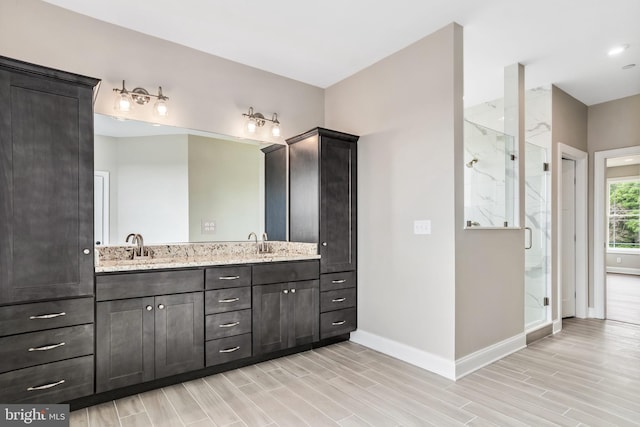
46	386
336	282
229	325
229	350
48	316
339	300
338	323
228	300
228	277
47	347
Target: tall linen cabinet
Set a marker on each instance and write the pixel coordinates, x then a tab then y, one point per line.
323	210
46	233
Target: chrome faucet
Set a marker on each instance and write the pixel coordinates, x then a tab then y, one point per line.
264	247
255	236
136	239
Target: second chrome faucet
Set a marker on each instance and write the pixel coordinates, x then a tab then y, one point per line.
262	246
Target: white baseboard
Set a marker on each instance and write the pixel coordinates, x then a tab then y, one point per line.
488	355
417	357
557	326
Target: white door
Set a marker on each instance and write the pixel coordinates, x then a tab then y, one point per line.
568	237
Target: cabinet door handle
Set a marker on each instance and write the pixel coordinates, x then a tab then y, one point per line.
229	350
149	308
324	243
293	291
47	347
337	282
48	316
228	300
229	325
46	386
286	291
87	251
338	300
228	277
338	323
161	306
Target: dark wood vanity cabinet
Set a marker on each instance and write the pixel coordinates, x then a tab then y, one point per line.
285	314
46	234
46	183
323	210
323	196
152	335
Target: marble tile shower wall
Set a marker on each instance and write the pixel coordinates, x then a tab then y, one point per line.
488	194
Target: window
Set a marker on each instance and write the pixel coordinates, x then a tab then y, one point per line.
624	214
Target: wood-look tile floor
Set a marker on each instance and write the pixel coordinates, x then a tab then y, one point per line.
623	297
587	375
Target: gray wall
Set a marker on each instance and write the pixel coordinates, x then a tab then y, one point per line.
206	92
568	126
407	109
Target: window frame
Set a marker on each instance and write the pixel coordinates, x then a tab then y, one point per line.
629	251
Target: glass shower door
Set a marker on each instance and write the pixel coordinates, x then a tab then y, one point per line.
537	237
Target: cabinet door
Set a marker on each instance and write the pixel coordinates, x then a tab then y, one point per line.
124	343
179	323
46	188
304	312
270	318
337	206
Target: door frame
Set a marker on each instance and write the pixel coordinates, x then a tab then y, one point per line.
582	253
106	207
599	225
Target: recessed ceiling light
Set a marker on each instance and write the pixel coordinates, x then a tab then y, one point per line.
628	66
618	49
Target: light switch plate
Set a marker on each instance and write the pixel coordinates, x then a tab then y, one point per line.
422	226
208	226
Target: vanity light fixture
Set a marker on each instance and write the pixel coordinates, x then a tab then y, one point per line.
125	100
256	120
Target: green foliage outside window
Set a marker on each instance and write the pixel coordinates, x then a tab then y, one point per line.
624	214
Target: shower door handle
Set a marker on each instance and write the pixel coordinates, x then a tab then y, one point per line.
530	237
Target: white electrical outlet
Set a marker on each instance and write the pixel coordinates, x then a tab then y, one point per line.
422	226
208	226
618	260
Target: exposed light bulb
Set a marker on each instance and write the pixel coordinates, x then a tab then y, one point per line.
123	103
251	126
160	108
275	130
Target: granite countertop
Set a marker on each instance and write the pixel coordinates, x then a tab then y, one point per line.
117	258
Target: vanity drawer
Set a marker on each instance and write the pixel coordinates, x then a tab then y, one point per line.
16	319
285	272
228	349
133	285
337	322
51	383
223	300
336	300
333	281
36	348
228	277
228	324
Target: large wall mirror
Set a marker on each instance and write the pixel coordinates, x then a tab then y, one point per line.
175	185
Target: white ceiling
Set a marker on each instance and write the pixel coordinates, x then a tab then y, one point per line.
562	42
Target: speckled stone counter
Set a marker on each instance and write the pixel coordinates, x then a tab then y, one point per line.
119	258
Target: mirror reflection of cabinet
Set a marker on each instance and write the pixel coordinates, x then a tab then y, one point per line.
179	185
